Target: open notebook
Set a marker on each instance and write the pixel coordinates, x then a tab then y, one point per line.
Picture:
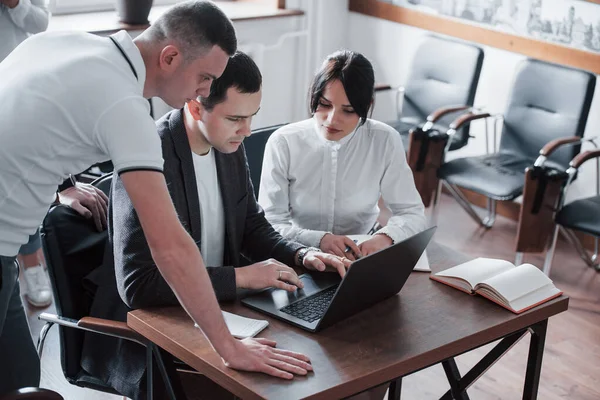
242	327
515	288
422	264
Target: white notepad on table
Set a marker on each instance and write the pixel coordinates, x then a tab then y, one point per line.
422	264
242	327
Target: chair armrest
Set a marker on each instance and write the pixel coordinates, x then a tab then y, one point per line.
97	325
110	327
583	157
32	393
552	145
440	112
466	119
381	87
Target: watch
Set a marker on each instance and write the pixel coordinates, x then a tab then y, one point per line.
68	183
302	253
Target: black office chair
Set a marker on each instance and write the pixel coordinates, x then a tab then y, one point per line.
547	102
31	393
443	80
255	151
581	215
73	248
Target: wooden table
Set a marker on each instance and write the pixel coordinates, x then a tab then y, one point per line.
426	324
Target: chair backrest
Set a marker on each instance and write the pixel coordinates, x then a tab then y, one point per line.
73	248
548	101
444	72
255	151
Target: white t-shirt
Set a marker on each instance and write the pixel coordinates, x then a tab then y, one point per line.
68	100
212	214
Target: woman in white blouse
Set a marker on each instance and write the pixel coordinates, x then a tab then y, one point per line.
322	177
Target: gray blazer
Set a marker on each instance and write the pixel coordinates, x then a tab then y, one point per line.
129	279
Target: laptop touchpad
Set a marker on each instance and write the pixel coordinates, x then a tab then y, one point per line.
282	298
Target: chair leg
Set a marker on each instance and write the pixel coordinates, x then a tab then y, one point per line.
149	372
488	221
462	201
42	338
550	252
594	258
518	258
433	219
590	261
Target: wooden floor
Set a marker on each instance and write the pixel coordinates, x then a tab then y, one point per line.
571	365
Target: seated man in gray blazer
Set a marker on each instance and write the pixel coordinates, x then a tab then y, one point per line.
208	178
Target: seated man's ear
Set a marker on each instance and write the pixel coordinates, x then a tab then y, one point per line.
196	109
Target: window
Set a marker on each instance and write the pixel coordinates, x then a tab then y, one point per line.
75	6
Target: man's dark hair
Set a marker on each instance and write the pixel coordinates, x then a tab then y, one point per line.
355	73
196	26
241	73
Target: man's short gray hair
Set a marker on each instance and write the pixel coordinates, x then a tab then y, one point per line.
196	26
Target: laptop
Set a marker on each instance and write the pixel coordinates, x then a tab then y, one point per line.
327	299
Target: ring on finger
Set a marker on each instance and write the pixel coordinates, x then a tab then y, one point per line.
279	274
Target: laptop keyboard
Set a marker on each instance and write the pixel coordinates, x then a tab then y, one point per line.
311	308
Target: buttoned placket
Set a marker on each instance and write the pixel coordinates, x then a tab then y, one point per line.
334	151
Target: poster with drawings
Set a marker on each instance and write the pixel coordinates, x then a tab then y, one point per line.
573	23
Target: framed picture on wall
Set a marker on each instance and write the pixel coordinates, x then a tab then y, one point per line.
561	31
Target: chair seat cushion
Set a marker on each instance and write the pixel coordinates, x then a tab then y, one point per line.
86	380
581	215
499	176
404	125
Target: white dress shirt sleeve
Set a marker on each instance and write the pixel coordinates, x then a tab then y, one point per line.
400	194
274	194
32	15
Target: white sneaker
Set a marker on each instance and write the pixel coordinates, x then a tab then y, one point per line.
39	293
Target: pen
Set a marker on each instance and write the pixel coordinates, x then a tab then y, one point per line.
348	247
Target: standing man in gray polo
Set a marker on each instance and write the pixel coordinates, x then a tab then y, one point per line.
70	100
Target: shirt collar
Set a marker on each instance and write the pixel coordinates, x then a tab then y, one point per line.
333	143
132	51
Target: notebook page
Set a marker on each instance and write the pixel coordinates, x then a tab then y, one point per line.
477	270
518	282
423	263
537	296
242	327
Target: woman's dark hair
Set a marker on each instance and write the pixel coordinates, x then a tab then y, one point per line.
241	73
357	77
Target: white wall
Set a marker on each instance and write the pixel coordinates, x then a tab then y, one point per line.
390	46
279	47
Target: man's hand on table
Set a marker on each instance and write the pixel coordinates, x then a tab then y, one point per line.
261	355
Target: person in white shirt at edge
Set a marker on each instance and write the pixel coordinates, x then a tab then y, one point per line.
322	177
70	100
20	19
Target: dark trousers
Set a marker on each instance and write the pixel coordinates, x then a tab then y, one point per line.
19	362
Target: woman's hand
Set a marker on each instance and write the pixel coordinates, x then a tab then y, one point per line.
376	243
318	261
337	244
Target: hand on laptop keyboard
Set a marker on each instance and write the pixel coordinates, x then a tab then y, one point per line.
268	273
318	261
